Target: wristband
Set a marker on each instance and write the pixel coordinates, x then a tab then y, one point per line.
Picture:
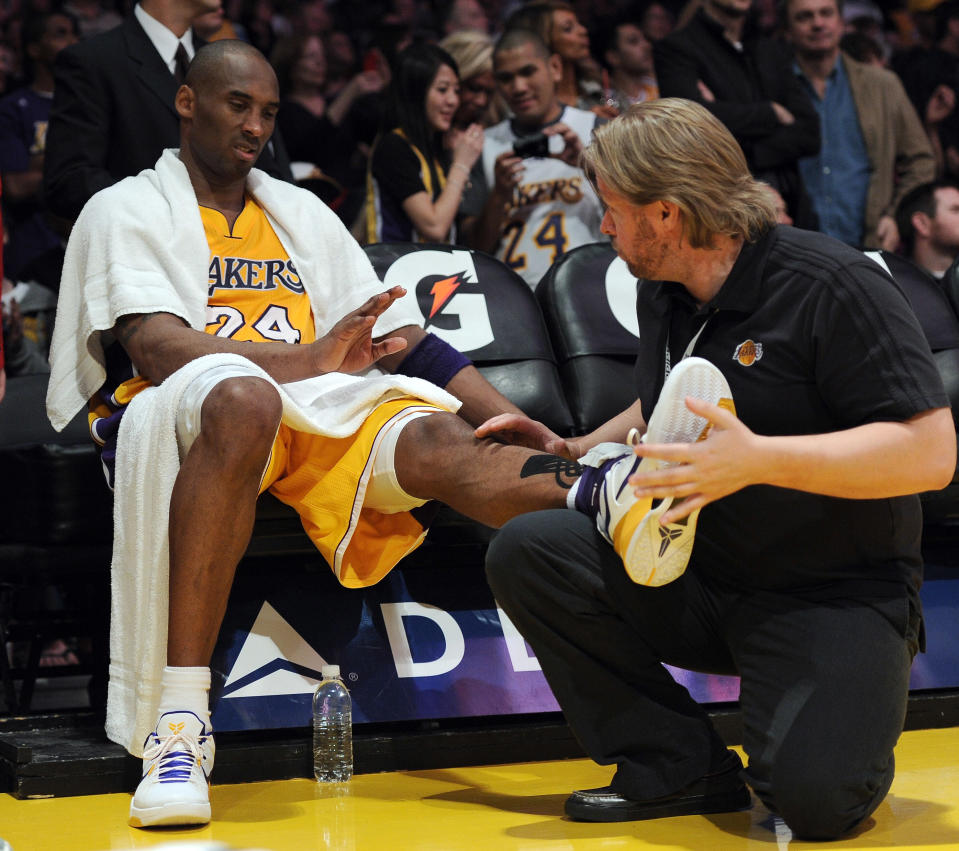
434	360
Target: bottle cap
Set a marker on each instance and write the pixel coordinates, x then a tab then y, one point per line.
330	671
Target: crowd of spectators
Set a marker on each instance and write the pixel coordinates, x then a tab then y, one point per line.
357	127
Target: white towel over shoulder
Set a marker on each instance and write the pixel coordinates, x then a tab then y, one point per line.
139	247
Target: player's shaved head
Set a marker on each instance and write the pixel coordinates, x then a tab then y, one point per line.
227	112
213	63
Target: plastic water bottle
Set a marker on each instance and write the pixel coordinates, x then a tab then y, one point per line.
332	729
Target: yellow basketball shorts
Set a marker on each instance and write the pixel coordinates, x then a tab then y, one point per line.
325	480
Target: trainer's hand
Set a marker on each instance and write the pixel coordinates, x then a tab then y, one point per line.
523	431
348	346
725	462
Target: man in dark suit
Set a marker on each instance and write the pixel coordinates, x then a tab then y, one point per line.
113	110
746	81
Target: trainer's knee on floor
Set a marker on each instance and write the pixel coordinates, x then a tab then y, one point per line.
827	807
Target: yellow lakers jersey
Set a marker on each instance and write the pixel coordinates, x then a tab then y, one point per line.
255	293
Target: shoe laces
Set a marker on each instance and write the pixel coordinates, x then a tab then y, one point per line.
175	756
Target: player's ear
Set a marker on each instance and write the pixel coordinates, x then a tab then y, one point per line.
185	102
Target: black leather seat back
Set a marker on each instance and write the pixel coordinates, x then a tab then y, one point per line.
485	310
937	314
936	305
948	362
588	297
53	490
950	285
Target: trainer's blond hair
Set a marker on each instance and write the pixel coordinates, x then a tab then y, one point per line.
676	150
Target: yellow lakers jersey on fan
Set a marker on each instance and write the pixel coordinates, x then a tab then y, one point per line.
255	293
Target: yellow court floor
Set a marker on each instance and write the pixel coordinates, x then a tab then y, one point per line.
489	807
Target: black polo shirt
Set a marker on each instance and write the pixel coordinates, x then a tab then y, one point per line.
812	337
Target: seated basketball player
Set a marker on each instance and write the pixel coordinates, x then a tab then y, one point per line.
200	314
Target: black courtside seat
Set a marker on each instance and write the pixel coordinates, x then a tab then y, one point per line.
948	358
936	305
486	311
588	297
56	531
950	285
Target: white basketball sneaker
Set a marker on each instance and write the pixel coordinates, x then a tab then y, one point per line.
177	761
653	554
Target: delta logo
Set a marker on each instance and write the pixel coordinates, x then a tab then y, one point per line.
275	659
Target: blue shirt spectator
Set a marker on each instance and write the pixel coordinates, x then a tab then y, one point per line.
837	178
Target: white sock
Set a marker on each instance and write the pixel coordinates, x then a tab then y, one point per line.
186	689
571	496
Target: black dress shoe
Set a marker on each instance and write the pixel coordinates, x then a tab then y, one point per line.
713	793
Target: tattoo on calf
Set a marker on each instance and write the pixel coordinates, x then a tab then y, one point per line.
566	472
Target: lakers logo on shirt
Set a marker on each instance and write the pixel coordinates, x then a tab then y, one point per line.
243	273
569	190
748	352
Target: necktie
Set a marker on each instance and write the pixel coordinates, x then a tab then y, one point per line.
182	63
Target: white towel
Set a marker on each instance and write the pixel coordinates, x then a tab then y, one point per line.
147	466
139	247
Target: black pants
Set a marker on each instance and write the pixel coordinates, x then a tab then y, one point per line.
823	684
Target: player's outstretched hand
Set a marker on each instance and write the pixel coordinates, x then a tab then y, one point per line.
523	431
349	346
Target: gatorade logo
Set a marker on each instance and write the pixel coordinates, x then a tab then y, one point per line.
442	292
446	289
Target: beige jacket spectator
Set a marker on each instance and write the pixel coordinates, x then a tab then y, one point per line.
899	150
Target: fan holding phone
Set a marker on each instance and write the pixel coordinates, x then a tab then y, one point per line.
530	202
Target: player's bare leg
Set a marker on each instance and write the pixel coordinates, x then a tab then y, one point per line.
212	511
437	457
211	518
